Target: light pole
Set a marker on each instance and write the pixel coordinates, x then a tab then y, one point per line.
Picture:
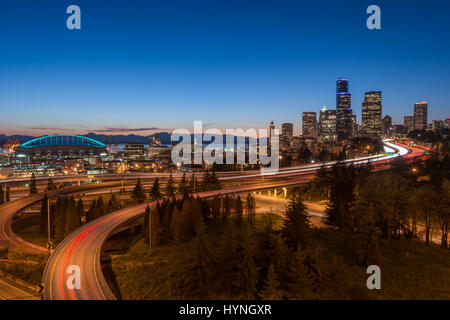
49	244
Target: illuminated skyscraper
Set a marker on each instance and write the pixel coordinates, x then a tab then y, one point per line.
344	109
309	125
371	114
287	132
408	122
386	126
420	115
327	124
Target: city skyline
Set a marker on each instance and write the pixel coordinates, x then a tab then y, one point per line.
128	69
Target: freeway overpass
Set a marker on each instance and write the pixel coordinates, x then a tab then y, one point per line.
83	247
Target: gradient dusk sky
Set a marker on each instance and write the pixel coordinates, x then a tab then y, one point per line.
158	65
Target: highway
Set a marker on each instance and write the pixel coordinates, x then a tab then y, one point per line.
83	247
9	290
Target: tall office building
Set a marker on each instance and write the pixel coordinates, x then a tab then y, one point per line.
327	124
354	125
309	125
420	115
271	129
386	126
371	114
287	132
408	123
287	129
344	109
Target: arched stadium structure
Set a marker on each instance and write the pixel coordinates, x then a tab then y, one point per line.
62	146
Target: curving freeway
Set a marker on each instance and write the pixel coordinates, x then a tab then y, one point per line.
83	247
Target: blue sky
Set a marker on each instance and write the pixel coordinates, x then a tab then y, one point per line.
231	63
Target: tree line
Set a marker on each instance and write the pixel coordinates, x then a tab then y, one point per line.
67	214
185	187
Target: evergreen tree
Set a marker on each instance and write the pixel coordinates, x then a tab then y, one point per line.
295	222
176	224
138	192
92	213
183	187
81	211
33	188
251	206
214	182
342	196
60	217
155	193
145	228
226	208
193	185
51	184
73	221
203	259
113	203
239	211
101	206
43	219
247	271
170	187
272	289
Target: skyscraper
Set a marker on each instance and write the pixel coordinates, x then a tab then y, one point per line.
408	122
420	115
287	132
344	109
371	114
386	126
271	130
327	124
309	125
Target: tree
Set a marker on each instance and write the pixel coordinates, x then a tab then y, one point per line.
60	217
295	223
33	188
51	184
138	192
193	184
442	211
170	187
424	199
247	271
73	221
342	195
272	289
183	187
93	212
43	220
80	210
203	258
239	211
226	208
251	206
113	203
101	206
155	193
176	224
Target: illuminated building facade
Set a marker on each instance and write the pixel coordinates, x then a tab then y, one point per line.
371	114
344	110
309	125
327	125
420	115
